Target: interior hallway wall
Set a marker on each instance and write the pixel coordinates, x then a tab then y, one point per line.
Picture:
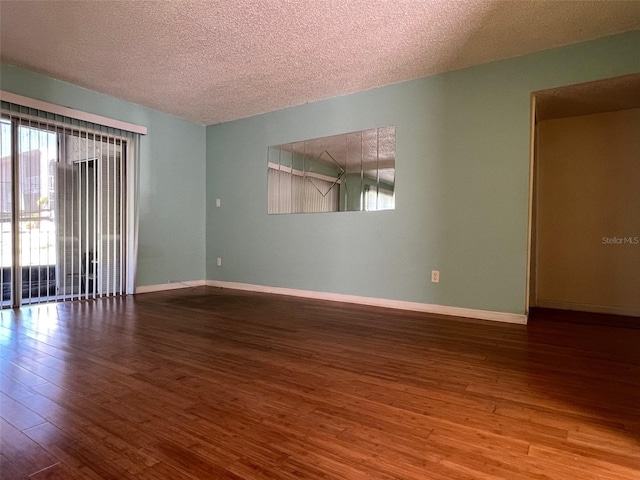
588	213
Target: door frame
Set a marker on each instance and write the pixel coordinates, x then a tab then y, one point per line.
530	297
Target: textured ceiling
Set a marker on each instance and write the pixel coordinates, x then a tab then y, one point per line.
214	61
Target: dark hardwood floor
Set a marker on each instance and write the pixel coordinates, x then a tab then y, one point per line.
205	383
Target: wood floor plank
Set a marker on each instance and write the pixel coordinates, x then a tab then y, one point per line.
14	389
17	414
21	451
21	375
8	471
210	383
88	456
58	472
580	465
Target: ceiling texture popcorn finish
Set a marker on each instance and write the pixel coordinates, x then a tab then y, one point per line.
215	61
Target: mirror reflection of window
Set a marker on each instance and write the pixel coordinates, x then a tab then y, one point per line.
348	172
379	199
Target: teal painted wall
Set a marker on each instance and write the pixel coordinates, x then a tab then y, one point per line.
462	178
172	175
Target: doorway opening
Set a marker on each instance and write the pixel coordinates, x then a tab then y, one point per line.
584	252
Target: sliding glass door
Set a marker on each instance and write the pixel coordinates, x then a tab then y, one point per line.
36	148
6	210
62	207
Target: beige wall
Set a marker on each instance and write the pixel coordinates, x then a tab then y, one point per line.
587	235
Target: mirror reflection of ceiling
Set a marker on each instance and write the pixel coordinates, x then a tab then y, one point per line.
211	62
370	151
608	95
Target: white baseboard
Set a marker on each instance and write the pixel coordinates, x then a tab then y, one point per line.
378	302
585	307
169	286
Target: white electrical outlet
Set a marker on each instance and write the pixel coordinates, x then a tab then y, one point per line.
218	202
435	276
218	262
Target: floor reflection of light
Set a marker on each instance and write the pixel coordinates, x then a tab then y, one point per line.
7	325
42	321
37	322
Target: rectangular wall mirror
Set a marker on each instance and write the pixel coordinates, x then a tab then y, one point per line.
348	172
